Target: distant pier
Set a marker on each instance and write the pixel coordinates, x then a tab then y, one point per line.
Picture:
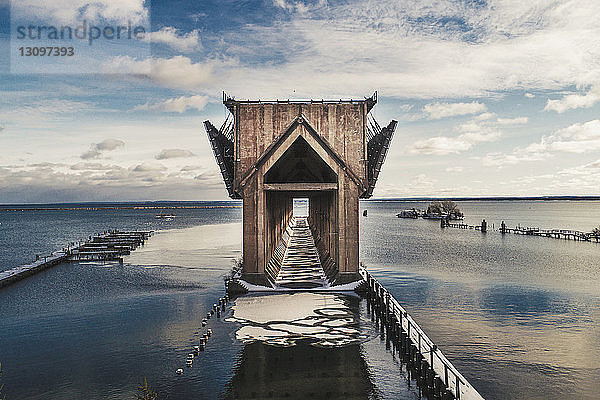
565	234
107	246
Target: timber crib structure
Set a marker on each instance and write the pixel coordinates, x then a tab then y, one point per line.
328	151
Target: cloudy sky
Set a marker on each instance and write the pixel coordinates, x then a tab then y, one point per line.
493	98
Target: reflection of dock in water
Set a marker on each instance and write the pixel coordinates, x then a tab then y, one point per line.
312	345
302	371
306	346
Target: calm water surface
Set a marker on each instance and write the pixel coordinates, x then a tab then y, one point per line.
519	316
95	330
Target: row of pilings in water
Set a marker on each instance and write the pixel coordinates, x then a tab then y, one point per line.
216	311
436	377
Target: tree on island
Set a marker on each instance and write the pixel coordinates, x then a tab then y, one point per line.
596	231
444	207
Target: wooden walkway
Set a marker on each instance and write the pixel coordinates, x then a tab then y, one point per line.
566	234
435	374
107	246
301	267
23	271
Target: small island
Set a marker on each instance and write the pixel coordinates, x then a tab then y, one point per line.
445	209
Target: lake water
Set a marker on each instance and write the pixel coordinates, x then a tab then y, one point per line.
518	316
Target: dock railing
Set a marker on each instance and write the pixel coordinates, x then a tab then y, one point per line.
442	367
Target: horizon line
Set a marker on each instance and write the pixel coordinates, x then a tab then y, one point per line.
431	198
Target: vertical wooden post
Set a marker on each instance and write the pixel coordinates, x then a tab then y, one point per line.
446	376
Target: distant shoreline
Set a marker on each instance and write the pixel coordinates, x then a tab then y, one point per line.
492	198
142	205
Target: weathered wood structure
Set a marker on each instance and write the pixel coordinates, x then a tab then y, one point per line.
271	152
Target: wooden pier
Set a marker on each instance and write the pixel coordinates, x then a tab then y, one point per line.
107	246
426	363
272	152
23	271
301	267
565	234
464	226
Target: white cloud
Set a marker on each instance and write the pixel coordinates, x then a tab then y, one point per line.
88	166
577	138
174	153
48	182
454	169
178	71
178	104
70	11
592	168
149	167
97	149
573	101
443	110
440	145
533	45
484	116
109	144
298	6
584	179
190	168
48	109
404	49
513	121
209	176
182	42
472	133
499	159
529	95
